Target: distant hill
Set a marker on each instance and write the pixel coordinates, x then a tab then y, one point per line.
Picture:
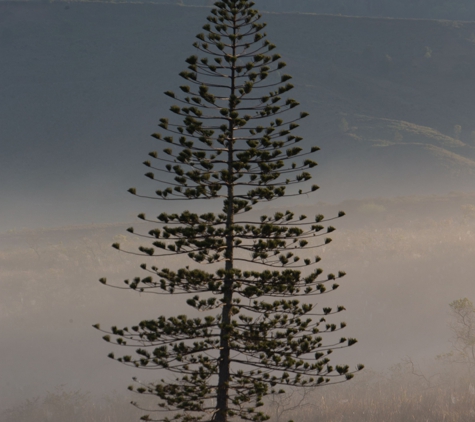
426	9
420	9
392	102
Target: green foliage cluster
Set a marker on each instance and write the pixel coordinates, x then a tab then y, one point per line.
234	144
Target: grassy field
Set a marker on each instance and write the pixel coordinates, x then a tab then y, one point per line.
403	393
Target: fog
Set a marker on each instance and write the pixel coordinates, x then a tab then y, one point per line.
406	260
81	93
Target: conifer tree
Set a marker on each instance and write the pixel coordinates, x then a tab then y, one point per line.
233	142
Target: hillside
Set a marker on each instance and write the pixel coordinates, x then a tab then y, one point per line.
422	9
428	9
392	102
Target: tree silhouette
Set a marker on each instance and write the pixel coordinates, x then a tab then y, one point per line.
463	334
233	145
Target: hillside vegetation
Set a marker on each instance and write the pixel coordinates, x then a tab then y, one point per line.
400	394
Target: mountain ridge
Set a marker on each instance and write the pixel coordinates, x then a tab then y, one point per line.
83	92
463	10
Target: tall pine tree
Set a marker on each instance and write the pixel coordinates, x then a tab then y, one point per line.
233	144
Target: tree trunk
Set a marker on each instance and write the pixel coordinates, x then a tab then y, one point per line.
222	402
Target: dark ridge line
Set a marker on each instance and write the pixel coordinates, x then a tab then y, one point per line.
267	12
